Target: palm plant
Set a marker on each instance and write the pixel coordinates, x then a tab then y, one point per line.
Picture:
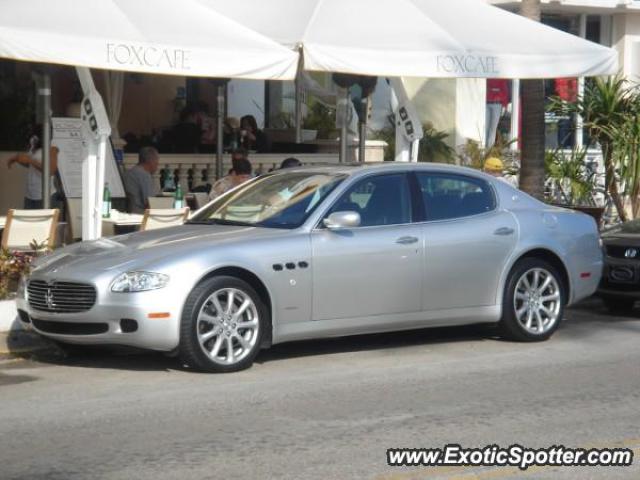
626	154
434	148
571	181
608	108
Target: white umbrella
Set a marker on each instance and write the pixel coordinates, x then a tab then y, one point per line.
162	36
421	38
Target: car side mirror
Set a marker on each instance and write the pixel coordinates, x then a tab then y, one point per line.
339	220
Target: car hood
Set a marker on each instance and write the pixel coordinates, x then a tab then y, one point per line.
618	238
138	249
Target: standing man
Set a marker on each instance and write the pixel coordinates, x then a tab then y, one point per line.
497	102
138	181
32	160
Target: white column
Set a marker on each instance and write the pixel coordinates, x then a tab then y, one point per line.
96	132
515	114
579	136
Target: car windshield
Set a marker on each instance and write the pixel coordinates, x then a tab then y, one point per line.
278	200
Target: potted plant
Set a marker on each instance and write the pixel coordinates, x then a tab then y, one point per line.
433	147
320	122
13	265
609	108
570	183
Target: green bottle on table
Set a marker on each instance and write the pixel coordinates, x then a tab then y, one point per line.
106	201
178	198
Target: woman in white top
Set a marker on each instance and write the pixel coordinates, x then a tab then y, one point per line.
33	161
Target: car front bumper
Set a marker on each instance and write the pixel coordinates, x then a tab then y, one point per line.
623	288
154	314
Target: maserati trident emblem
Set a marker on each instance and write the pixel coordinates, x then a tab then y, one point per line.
631	253
49	298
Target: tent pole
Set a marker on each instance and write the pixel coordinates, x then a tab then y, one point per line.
93	165
364	113
343	127
45	92
220	134
578	138
515	115
298	112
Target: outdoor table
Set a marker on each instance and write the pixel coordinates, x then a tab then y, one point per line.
120	221
189	198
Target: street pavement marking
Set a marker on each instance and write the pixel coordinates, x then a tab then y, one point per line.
473	472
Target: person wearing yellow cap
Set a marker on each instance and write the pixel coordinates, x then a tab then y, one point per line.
494	166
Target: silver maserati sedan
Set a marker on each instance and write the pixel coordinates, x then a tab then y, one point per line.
322	252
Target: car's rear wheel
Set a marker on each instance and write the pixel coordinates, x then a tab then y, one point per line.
533	302
222	325
618	304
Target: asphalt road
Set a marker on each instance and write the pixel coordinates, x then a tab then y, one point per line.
328	409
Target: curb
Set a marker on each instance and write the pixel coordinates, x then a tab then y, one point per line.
15	341
9	316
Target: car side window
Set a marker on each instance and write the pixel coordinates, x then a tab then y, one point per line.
380	200
448	196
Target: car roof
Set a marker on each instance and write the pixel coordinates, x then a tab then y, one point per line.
357	169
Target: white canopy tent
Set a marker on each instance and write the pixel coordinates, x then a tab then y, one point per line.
260	40
163	37
420	38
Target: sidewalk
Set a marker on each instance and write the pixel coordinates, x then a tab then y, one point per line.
9	316
14	340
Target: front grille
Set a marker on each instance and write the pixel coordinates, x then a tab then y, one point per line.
618	251
68	328
61	297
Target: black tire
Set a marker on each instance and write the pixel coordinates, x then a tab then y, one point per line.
619	304
190	350
509	326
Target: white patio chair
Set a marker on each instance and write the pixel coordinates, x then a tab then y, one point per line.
200	199
162	218
160	202
74	217
24	227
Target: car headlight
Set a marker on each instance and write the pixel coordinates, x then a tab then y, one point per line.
139	282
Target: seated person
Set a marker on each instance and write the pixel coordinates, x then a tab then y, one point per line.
240	173
252	137
290	162
138	181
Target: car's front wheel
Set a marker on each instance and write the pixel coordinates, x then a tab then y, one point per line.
533	301
222	325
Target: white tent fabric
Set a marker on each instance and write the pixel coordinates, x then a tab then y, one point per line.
114	90
163	36
420	38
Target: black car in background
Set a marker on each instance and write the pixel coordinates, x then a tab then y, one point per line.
620	285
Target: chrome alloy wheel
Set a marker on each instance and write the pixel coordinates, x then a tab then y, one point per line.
537	301
227	326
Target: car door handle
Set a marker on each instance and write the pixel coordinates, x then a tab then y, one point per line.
504	231
407	240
